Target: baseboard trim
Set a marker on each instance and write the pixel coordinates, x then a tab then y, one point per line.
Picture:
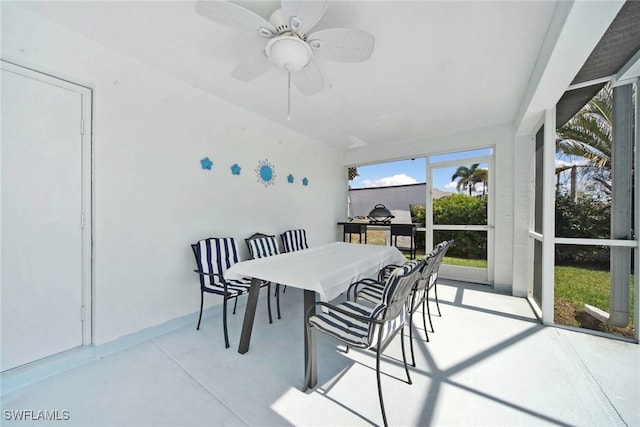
14	379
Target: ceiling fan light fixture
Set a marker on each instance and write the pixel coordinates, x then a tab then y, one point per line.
289	52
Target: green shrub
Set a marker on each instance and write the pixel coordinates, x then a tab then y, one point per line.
460	209
457	209
584	217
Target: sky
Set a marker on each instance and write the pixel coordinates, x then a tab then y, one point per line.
414	171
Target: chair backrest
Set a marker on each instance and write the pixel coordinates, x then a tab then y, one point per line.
262	245
398	288
440	249
395	295
214	255
430	261
294	240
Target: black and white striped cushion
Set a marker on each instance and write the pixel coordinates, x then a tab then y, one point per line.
294	240
355	332
216	255
263	247
373	293
345	328
390	309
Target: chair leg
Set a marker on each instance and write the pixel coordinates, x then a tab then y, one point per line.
429	312
235	305
269	301
425	301
224	321
435	292
278	299
413	360
201	303
404	358
384	415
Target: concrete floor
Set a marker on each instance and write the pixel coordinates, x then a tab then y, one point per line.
489	362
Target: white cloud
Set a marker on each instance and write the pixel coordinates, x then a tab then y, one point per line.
453	185
400	179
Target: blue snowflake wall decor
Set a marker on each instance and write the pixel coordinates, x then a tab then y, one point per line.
206	163
290	179
235	169
266	173
305	181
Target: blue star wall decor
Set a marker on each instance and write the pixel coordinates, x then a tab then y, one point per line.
305	181
290	179
206	163
235	169
266	173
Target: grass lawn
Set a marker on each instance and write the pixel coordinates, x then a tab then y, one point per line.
480	263
578	286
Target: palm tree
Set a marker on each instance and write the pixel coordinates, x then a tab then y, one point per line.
481	176
588	134
467	177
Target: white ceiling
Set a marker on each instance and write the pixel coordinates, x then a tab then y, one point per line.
437	66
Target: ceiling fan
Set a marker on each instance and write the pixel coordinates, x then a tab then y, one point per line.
289	45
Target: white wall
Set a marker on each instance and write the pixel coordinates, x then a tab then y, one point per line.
523	208
151	197
501	137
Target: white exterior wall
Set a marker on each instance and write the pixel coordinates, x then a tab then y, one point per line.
523	208
502	139
151	198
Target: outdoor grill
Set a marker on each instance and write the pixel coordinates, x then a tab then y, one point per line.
380	215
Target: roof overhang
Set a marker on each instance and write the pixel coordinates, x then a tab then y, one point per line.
616	58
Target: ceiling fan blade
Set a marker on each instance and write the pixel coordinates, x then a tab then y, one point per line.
251	68
234	16
302	15
308	80
342	44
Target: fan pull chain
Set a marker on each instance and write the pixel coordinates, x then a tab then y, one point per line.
289	95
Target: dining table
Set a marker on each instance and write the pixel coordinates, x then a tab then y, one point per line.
323	272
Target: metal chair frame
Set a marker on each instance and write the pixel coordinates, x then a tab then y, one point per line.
433	280
226	295
285	245
420	292
248	240
398	288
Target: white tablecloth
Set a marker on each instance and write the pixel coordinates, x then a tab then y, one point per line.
327	269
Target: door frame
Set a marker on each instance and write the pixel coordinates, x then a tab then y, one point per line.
467	274
85	218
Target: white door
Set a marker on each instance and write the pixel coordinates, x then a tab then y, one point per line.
472	258
44	199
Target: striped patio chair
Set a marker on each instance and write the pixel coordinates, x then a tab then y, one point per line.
213	257
370	327
294	240
442	248
261	246
372	290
